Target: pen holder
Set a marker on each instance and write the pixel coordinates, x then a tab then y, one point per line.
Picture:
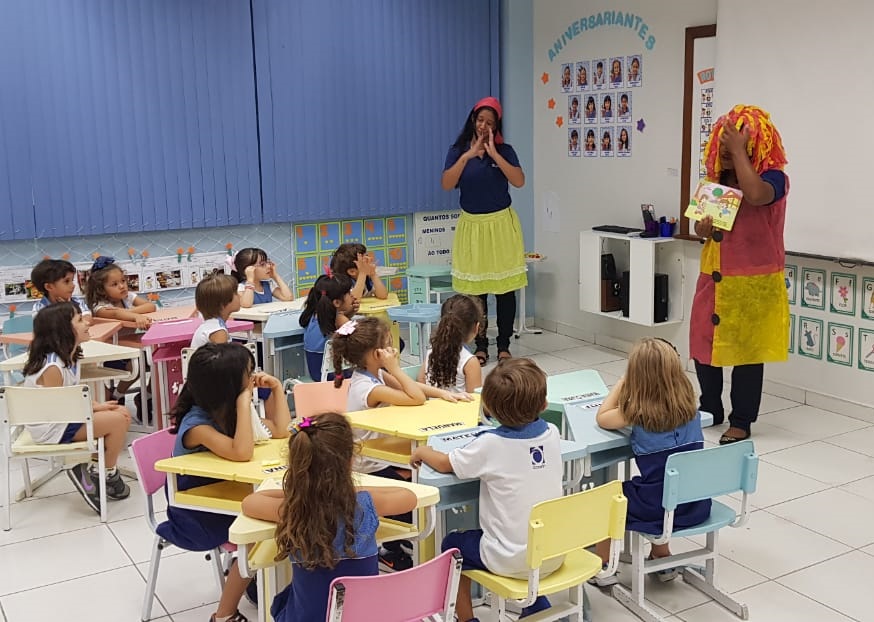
666	229
652	228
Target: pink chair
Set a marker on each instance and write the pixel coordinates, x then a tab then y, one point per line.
315	398
426	591
146	451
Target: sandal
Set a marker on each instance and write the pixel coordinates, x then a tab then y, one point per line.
482	357
726	439
503	355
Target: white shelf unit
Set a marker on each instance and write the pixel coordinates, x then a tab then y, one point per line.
644	258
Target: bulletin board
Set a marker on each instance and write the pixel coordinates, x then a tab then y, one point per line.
386	239
434	233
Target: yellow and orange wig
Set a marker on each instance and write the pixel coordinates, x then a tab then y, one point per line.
765	147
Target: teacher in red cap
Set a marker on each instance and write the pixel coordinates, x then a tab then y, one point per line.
488	255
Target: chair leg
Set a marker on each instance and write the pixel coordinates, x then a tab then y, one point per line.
218	566
25	473
635	600
152	582
707	582
7	495
101	471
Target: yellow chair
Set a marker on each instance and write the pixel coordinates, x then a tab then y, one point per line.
20	406
563	527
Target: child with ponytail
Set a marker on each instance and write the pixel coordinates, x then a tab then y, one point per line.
330	304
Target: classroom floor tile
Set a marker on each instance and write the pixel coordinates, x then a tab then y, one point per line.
805	553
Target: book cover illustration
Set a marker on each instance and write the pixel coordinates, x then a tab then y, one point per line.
717	201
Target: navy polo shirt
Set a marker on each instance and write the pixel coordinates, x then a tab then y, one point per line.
484	188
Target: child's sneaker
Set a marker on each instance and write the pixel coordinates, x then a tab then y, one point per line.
668	574
394	561
606	581
116	488
81	479
538	605
252	591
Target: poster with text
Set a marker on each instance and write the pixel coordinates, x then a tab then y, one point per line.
868	298
840	344
813	288
843	293
866	349
810	337
791	274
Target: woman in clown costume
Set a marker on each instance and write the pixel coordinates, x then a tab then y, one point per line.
740	313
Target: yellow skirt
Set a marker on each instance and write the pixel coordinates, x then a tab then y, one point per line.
488	255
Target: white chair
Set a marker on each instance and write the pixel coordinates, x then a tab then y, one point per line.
257	403
693	476
328	362
20	406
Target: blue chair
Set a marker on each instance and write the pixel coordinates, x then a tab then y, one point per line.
421	315
693	476
18	324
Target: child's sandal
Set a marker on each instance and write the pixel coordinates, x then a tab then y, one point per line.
482	357
503	355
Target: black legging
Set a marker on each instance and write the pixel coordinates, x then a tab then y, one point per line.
506	309
746	393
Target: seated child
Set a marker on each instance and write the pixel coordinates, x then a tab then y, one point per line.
216	298
326	524
255	272
353	261
511	478
329	305
448	363
52	361
56	281
655	398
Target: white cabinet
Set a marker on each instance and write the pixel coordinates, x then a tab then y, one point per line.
643	258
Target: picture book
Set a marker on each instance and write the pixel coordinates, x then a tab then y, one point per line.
719	202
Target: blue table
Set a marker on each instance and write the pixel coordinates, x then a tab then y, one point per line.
283	345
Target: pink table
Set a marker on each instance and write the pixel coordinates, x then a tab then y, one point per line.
166	340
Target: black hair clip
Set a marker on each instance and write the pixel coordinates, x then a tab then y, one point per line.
102	262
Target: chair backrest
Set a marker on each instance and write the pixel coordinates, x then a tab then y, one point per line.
29	405
412	371
315	398
420	592
18	324
707	473
186	353
328	362
146	451
565	524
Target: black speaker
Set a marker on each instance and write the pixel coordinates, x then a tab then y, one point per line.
608	267
624	291
660	310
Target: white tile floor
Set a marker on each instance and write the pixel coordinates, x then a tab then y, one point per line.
804	555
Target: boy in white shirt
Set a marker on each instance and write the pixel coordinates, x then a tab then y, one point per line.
518	465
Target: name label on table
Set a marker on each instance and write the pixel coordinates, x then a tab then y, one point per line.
457	437
590	405
580	397
442	426
275	469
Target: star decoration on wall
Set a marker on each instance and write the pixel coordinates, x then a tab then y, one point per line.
544	78
551	103
641	124
559	120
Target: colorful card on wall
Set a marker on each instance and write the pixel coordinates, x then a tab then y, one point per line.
840	344
868	299
791	333
866	349
329	236
717	201
325	263
353	232
398	284
397	256
305	239
307	268
843	298
810	337
396	230
374	232
791	273
813	288
378	256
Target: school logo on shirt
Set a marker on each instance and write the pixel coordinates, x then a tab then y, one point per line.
538	460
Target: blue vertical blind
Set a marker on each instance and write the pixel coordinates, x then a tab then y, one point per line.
359	101
130	115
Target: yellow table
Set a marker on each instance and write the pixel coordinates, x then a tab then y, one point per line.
256	546
408	426
376	307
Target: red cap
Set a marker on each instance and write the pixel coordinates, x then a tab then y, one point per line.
491	102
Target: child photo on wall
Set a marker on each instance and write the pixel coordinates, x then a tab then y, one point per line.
606	142
606	108
573	109
591	113
623	141
635	70
573	143
599	77
623	110
590	150
583	75
566	82
616	80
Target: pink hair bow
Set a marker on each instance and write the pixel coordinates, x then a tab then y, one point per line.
348	328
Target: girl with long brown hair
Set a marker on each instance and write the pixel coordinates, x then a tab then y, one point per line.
326	525
448	364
